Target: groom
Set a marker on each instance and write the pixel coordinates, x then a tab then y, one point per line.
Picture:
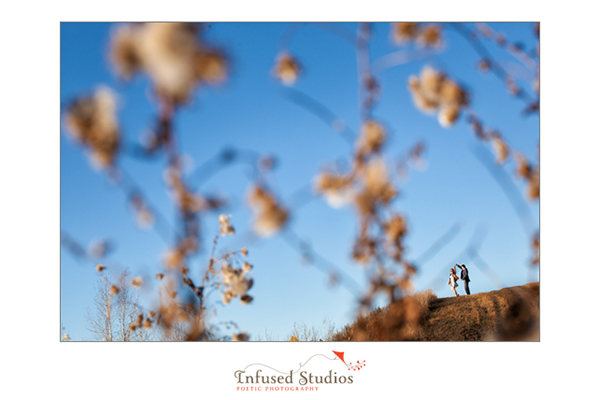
464	276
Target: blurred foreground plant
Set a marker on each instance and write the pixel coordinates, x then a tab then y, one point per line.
178	61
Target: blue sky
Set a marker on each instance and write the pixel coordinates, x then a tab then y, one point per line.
249	112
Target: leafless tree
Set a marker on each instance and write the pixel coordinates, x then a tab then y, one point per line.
116	313
177	333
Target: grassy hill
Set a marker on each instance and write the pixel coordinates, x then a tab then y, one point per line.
507	314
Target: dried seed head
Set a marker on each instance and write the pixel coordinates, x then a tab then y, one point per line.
448	115
236	280
377	183
124	52
246	299
137	281
92	121
270	217
431	82
425	90
395	228
403	32
114	290
451	94
533	190
240	337
100	268
336	188
372	137
160	276
424	103
227	296
271	221
484	65
430	36
536	248
363	250
247	267
225	225
523	168
211	67
169	51
172	56
244	251
433	91
287	69
500	148
174	259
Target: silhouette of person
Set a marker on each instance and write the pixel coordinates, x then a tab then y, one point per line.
464	276
452	280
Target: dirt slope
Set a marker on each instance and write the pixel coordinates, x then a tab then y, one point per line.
507	314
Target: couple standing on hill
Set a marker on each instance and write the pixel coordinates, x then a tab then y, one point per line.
464	276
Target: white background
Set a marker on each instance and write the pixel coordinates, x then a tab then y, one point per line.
36	365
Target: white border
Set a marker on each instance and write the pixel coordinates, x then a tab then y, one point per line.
39	366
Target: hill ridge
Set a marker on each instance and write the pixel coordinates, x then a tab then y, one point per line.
507	314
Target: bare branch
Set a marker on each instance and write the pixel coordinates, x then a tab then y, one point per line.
438	244
318	261
494	66
508	188
322	112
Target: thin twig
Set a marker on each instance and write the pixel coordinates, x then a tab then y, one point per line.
400	57
363	64
288	35
300	197
131	189
495	67
509	189
510	47
338	30
228	157
484	267
321	263
322	112
438	244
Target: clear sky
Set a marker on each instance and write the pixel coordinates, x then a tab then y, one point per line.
250	112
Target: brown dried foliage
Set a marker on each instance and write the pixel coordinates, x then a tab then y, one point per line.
510	314
92	121
434	92
171	54
177	60
429	35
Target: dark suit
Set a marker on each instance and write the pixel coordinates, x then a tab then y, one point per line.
464	276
